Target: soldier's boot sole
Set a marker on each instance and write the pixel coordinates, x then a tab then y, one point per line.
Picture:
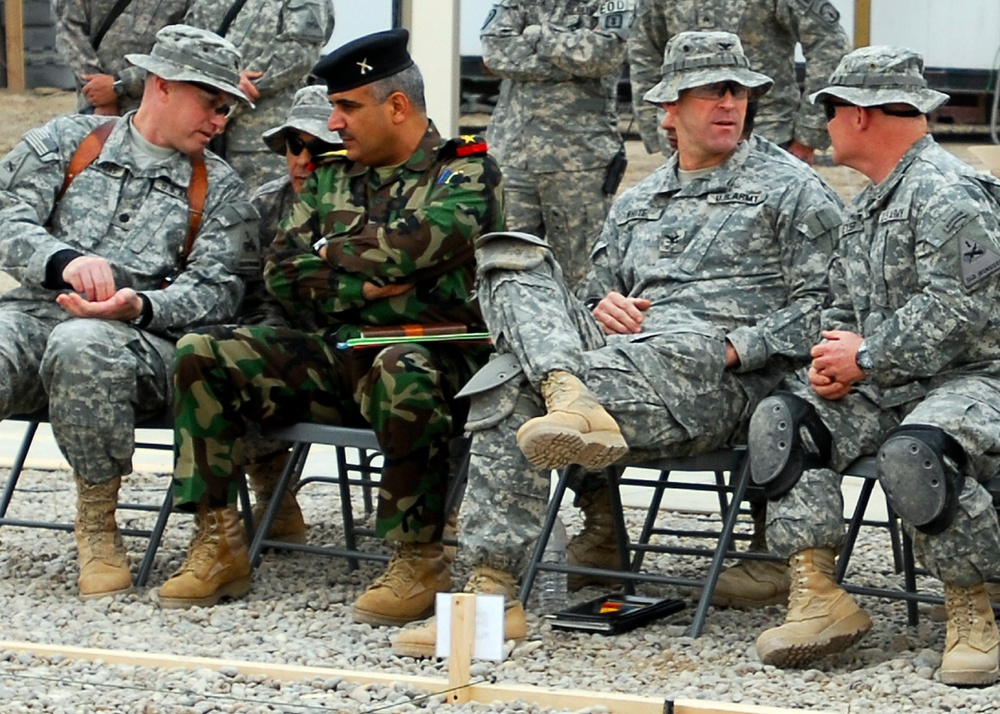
553	446
786	647
234	589
369	617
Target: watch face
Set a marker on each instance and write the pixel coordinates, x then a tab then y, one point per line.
864	359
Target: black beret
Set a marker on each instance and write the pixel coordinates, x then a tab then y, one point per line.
364	60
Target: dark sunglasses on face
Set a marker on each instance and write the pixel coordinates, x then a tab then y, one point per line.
830	109
316	147
717	90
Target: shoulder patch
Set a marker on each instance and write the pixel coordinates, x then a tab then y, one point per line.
465	145
42	143
979	261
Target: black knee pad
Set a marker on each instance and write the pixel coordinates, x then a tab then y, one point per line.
786	438
920	470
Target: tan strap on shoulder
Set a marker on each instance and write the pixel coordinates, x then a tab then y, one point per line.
197	190
86	153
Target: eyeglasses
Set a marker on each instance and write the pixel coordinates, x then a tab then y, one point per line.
830	109
717	90
223	110
316	147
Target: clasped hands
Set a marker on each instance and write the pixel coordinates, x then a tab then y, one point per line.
95	295
834	368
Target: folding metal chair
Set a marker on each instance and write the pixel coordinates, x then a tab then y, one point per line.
731	492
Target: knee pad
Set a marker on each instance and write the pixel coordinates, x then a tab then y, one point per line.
786	438
920	470
510	250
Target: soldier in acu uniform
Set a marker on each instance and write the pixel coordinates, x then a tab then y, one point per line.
707	280
279	41
93	37
909	367
90	332
554	130
383	238
769	30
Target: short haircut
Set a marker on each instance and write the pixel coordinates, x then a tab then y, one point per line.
408	82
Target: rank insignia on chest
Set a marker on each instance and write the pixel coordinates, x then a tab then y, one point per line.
672	243
978	262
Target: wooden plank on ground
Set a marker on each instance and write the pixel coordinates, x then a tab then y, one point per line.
482	693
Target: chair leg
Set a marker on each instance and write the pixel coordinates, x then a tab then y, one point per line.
346	507
17	467
299	452
618	514
156	536
728	526
650	521
853	528
909	579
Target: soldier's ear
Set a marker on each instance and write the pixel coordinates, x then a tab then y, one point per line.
399	107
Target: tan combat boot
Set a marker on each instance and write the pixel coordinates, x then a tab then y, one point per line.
751	584
217	564
103	562
595	546
420	642
970	648
406	590
288	524
576	429
822	618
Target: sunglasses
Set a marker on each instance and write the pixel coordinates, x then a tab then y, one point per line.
717	90
316	147
223	110
830	110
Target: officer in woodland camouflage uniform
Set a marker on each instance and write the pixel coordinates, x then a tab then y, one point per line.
769	31
712	270
382	238
279	41
909	367
554	130
106	83
89	333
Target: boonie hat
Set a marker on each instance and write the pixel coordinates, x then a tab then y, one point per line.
879	74
365	60
694	59
183	53
309	112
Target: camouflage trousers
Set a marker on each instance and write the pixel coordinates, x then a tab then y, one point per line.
229	377
532	315
95	378
967	408
566	208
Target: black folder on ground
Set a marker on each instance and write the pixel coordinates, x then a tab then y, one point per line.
612	614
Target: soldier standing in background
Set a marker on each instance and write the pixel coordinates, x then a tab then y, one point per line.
769	31
554	131
381	238
93	37
279	41
89	334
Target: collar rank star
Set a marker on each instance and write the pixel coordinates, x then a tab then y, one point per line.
365	67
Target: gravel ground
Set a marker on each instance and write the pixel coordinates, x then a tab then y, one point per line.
298	613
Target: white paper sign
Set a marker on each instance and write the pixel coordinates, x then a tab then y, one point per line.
489	627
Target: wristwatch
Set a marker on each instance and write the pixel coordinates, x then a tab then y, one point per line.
863	358
118	87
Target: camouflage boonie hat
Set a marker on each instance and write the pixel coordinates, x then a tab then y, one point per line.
694	59
876	75
183	53
310	112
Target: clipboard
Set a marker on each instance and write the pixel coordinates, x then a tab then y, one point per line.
615	613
